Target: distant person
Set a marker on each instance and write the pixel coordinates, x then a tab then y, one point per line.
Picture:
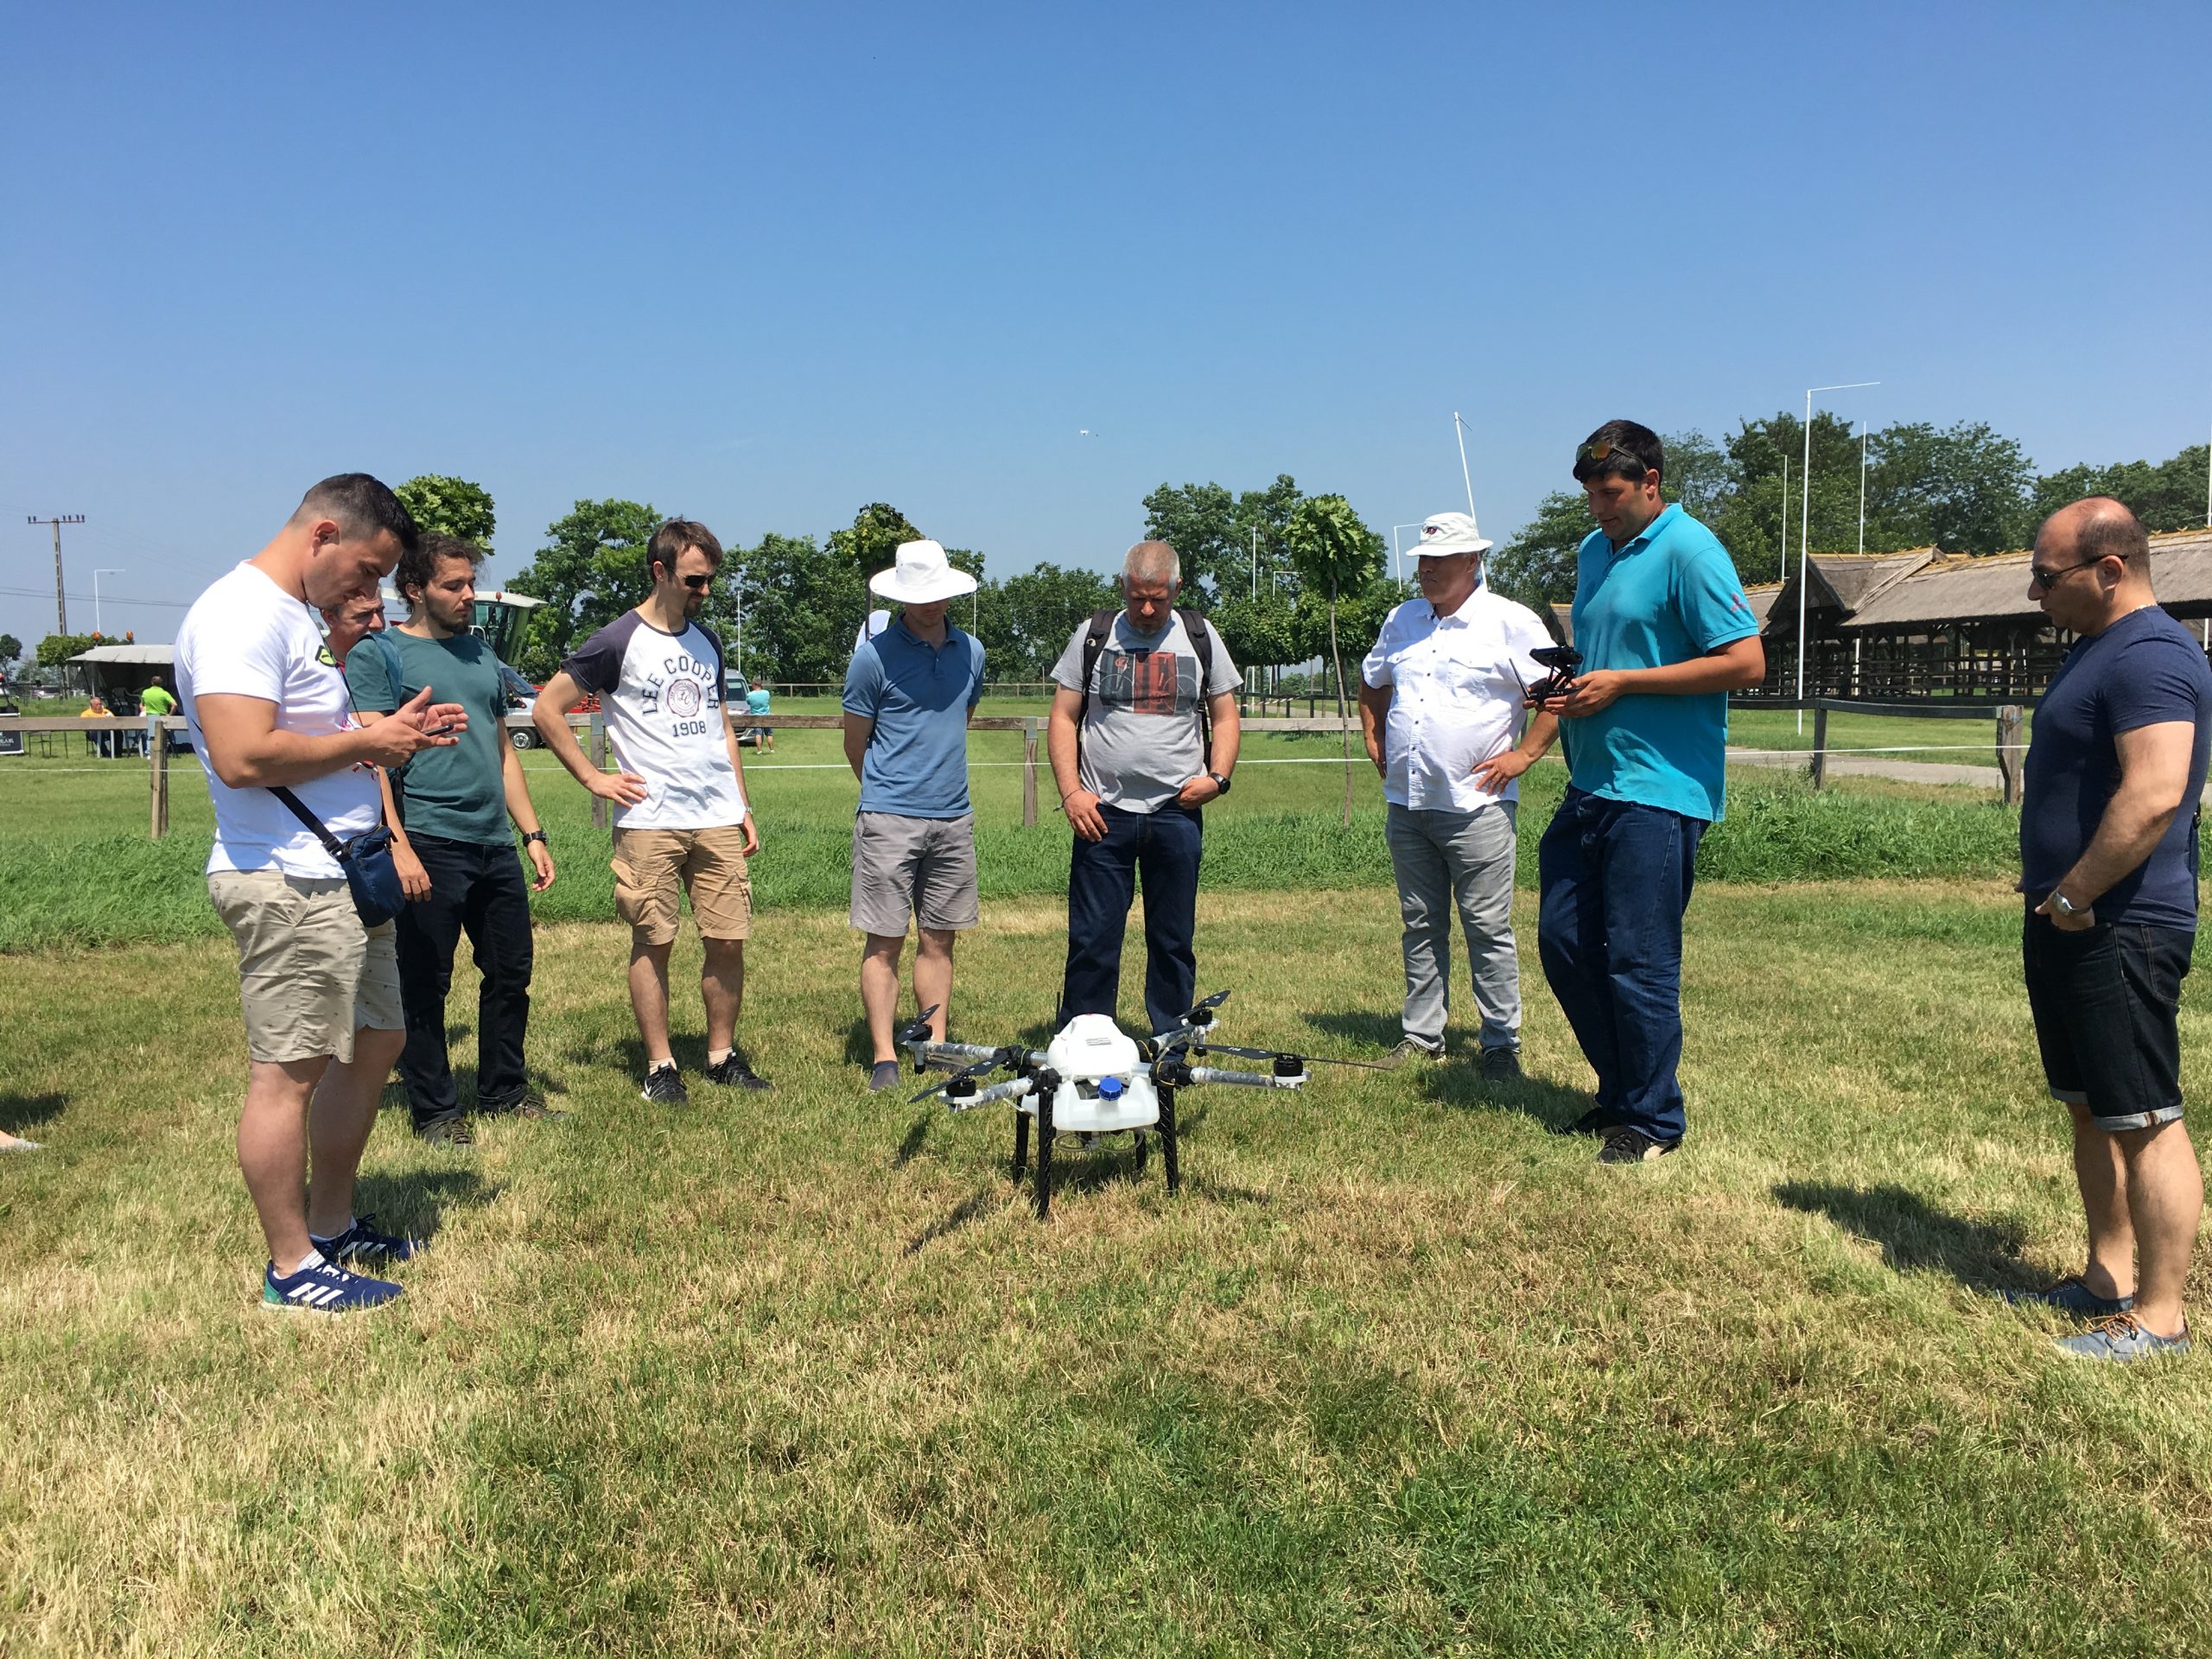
681	823
756	704
104	742
157	700
1440	701
455	857
1136	691
2109	837
910	693
1665	634
267	708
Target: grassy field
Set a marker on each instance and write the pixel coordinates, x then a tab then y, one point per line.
1398	1373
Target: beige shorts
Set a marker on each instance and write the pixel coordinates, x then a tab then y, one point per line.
310	973
905	867
708	865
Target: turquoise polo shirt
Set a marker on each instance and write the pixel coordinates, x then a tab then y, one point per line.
1670	595
920	695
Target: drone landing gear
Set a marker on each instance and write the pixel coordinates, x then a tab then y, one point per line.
1043	1183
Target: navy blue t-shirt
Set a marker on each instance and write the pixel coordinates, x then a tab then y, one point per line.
2145	669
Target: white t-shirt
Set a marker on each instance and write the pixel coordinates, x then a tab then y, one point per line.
246	636
663	695
1455	700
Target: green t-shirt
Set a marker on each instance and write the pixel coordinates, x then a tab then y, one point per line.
456	793
156	699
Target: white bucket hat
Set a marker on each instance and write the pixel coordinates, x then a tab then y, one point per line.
1450	533
922	575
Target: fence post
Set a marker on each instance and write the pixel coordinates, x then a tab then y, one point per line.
157	761
1820	746
599	764
2009	753
1029	773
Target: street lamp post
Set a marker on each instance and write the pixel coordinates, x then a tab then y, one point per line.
116	571
1805	528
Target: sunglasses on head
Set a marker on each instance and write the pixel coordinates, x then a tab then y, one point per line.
1602	451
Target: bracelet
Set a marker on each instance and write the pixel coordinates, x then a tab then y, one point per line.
534	835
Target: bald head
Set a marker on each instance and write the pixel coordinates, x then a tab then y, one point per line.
2097	527
1152	562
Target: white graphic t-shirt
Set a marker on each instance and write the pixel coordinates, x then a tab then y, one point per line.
246	636
663	695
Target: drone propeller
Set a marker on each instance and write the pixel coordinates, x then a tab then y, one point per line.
1210	1004
918	1032
990	1064
1278	1054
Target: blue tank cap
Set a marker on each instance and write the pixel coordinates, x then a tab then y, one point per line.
1110	1088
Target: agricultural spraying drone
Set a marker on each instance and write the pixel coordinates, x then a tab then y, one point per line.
1093	1078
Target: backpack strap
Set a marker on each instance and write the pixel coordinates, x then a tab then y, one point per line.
1094	642
1202	647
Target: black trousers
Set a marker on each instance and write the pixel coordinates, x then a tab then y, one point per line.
1166	848
479	890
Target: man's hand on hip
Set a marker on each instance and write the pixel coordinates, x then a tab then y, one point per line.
623	788
1197	792
1492	775
2078	920
1084	815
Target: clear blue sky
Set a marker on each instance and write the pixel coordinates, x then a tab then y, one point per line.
763	265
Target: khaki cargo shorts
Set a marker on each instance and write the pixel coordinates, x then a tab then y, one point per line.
310	973
708	865
906	868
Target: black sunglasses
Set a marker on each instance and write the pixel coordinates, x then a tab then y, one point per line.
2046	580
697	584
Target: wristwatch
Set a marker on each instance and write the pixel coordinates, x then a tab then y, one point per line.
534	835
2064	906
1220	782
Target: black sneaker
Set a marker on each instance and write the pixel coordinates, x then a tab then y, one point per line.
734	1073
1501	1065
453	1132
1626	1146
665	1085
527	1105
1597	1121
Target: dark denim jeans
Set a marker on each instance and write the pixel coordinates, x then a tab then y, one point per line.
1164	847
1615	878
479	890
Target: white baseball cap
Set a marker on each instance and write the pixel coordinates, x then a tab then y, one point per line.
921	576
1450	533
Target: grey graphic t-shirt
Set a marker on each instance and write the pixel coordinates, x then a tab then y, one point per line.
1141	739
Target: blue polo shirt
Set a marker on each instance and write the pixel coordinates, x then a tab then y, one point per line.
919	696
1670	595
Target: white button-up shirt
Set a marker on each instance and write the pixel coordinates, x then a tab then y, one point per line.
1454	700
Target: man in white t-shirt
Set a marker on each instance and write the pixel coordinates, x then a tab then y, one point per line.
1440	701
268	709
680	823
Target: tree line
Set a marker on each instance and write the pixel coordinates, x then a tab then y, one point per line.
1966	488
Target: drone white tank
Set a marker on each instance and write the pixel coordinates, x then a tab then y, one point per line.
1104	1083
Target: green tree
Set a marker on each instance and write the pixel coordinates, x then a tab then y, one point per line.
1964	488
56	649
1536	565
11	651
2165	495
870	543
802	609
1259	632
451	506
1028	618
592	569
1217	537
1336	554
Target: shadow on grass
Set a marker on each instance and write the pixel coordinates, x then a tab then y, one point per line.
911	1146
1357	1025
24	1111
1458	1084
415	1203
961	1214
1982	1255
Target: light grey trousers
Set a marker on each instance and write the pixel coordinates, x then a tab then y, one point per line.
1452	860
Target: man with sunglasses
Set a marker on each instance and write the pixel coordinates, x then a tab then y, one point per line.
2108	866
1665	634
681	822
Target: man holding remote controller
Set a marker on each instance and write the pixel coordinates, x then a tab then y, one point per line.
1665	634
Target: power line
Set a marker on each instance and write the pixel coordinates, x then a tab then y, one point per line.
166	604
60	600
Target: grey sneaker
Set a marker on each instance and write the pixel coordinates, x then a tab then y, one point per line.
449	1132
2122	1340
1634	1147
1410	1050
1501	1065
2071	1295
885	1076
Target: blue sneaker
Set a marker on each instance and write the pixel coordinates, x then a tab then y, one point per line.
362	1244
323	1289
2072	1296
2122	1340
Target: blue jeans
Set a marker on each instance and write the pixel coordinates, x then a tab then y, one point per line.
1164	847
1615	878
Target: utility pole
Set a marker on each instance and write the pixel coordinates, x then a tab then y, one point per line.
60	600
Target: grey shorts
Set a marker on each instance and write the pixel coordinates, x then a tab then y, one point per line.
913	867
